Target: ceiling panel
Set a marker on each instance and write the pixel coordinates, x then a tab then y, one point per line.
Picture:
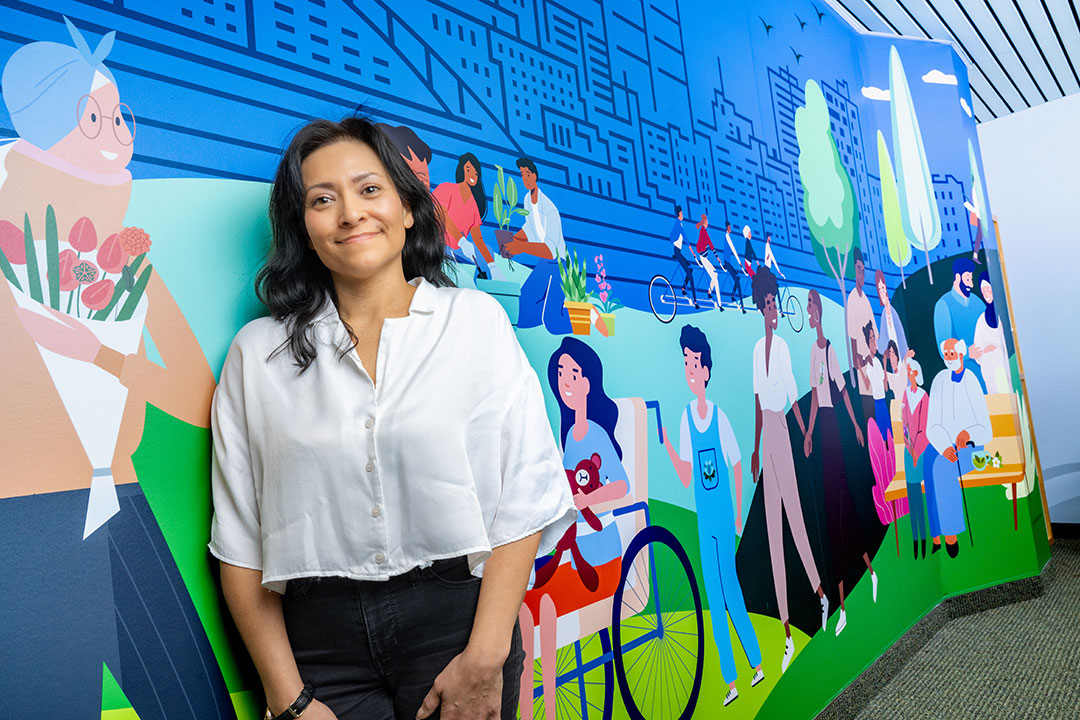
1020	53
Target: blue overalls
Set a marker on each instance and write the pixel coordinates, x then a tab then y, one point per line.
716	532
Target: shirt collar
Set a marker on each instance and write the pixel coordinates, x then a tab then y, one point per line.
423	301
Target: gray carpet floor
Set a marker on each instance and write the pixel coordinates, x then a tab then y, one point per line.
1013	662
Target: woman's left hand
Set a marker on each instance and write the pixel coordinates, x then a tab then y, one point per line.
469	688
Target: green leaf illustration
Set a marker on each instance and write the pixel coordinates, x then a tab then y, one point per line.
52	257
33	274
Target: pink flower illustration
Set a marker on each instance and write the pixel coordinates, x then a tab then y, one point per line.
68	258
135	240
85	272
98	295
111	255
12	243
83	236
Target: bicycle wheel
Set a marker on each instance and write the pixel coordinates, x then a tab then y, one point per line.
794	313
580	694
662	299
659	653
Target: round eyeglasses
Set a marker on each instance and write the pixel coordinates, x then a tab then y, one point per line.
90	119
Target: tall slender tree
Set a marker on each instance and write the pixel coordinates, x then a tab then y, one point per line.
922	221
897	241
828	199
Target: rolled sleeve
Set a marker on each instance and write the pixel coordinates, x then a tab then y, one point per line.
235	532
534	493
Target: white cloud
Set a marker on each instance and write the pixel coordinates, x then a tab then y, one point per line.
936	77
967	108
873	93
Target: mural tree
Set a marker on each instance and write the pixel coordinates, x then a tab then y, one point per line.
896	239
828	199
922	223
978	194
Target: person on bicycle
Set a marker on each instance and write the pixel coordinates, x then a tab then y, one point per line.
704	247
770	258
750	258
733	265
676	238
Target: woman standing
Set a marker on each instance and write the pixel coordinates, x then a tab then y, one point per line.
990	337
334	474
847	543
913	408
464	206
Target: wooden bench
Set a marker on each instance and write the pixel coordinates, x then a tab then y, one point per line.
1005	422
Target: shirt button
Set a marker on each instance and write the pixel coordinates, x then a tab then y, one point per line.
370	467
380	558
375	512
369	423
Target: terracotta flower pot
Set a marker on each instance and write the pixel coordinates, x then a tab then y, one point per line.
580	319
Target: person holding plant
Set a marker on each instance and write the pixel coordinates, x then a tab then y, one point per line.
541	236
464	206
374	563
78	297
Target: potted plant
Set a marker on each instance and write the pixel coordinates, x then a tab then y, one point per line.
504	199
578	301
608	303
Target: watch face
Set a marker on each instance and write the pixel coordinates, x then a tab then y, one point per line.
582	477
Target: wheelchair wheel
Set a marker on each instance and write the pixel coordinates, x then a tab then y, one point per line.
585	695
662	299
659	653
793	311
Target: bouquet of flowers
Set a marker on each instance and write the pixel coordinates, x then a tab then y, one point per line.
74	279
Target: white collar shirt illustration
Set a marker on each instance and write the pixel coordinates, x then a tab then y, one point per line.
775	386
448	453
955	407
543	224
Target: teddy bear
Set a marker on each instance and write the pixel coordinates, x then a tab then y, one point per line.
583	479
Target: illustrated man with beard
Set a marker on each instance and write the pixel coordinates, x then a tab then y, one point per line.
957	426
957	312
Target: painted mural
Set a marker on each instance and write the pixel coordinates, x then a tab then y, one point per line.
749	250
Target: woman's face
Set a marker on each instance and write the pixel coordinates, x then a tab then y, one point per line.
471	176
814	313
573	385
353	215
772	317
912	376
110	148
883	293
987	291
873	341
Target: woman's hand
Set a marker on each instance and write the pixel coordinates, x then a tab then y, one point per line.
808	444
64	336
469	688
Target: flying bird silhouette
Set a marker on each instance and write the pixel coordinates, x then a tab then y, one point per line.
820	14
798	56
802	23
768	27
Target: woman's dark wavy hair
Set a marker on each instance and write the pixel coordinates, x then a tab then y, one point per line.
599	408
293	283
477	190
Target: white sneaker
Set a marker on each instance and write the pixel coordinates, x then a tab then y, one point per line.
842	623
731	696
873	585
824	611
789	650
758	677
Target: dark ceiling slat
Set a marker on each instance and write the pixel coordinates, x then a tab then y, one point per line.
993	13
1061	43
858	19
959	4
1038	46
883	16
1076	18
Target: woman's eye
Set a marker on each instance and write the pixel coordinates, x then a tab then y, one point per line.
321	200
93	117
370	189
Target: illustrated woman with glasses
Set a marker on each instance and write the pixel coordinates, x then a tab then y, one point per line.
75	303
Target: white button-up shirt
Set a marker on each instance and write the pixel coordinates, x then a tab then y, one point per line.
325	473
776	386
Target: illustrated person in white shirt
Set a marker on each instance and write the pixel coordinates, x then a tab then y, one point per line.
774	391
376	439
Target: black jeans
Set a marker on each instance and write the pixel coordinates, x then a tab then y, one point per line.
372	650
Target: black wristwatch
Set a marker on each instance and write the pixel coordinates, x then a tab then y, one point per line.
299	705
